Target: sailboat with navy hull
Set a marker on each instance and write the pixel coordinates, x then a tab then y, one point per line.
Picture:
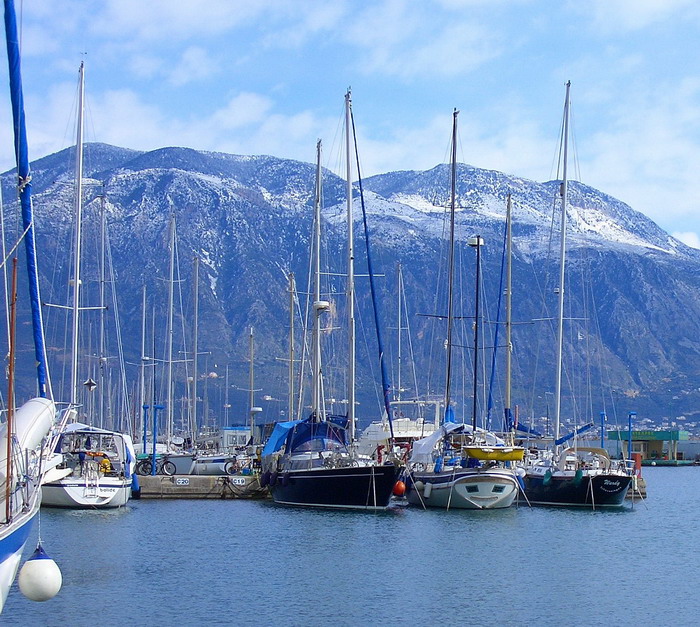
313	462
577	476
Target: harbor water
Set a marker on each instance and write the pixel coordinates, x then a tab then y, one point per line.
253	563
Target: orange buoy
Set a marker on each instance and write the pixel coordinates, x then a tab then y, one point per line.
399	488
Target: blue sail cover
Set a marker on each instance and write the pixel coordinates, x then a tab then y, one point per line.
296	433
278	437
24	181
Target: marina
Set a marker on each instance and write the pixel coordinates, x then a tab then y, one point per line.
224	407
250	562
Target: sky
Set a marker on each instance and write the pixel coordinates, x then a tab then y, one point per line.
269	77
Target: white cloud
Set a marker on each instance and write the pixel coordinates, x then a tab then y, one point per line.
613	16
165	20
647	154
410	43
194	65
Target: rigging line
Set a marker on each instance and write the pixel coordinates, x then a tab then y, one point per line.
115	304
386	385
16	245
489	405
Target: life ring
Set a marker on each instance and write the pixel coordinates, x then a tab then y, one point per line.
231	467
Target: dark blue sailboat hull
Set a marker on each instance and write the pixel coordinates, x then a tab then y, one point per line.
605	490
353	487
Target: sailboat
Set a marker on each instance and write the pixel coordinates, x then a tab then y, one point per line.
25	430
460	466
312	462
88	467
574	476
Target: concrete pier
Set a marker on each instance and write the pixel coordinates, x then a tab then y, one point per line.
201	487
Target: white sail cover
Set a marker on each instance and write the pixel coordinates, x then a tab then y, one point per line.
422	452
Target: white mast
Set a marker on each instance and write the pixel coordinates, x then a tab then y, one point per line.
350	291
169	358
399	285
195	348
290	401
509	346
450	272
78	211
319	306
142	374
562	251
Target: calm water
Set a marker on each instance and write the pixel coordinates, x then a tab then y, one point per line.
251	563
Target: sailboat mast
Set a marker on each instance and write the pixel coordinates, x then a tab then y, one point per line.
451	260
170	332
290	400
78	215
102	359
318	304
476	242
251	383
509	321
195	351
142	374
351	272
24	192
562	263
399	291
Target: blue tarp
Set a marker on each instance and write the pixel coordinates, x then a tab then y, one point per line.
297	432
278	437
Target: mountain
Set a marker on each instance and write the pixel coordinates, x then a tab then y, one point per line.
633	328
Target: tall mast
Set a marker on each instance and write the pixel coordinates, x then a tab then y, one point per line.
290	401
476	242
319	306
251	384
78	215
562	251
102	359
399	291
195	348
227	405
451	261
170	332
24	187
142	373
351	273
509	346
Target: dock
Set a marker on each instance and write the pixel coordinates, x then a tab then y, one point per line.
201	487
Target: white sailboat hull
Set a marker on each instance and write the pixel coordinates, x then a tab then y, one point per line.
464	489
107	492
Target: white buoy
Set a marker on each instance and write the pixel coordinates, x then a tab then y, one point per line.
40	578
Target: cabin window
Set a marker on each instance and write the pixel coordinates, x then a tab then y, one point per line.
498	488
472	488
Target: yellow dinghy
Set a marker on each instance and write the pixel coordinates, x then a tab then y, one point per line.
496	453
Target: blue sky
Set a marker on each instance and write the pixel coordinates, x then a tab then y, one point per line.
268	77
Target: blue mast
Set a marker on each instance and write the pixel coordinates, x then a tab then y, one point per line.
24	190
386	386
